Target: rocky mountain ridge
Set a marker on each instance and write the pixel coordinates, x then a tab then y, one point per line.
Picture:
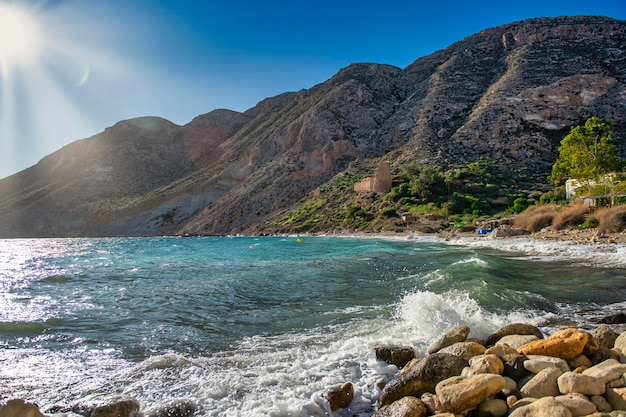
508	93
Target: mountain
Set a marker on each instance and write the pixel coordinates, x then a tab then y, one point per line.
507	94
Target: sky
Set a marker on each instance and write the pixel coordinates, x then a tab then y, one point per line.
71	68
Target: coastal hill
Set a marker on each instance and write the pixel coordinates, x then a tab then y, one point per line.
507	95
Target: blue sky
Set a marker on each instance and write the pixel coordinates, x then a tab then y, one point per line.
98	62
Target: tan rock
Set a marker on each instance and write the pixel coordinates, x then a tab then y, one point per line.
578	405
431	401
461	394
565	344
492	407
404	407
543	384
19	408
485	364
580	361
510	386
464	350
451	336
601	403
606	371
536	363
340	397
543	407
571	382
620	342
503	351
517	340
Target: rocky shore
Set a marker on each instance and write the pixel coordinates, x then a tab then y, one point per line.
516	372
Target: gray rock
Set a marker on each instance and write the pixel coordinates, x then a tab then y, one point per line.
465	350
513	329
605	336
571	382
543	384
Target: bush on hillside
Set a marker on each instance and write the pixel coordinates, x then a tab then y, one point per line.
535	218
570	216
612	220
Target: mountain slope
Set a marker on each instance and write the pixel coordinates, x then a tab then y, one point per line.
508	93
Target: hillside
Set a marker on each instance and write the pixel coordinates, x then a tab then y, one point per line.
506	95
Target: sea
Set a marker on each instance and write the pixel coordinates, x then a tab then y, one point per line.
264	326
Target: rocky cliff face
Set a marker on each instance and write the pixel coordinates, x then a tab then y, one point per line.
508	93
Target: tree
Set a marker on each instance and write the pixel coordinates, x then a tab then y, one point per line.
587	153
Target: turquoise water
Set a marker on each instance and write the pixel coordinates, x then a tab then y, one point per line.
248	326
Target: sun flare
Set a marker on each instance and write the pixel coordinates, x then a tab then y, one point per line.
20	39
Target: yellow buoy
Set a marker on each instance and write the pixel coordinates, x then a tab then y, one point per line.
298	240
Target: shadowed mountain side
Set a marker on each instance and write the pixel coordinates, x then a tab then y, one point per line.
508	93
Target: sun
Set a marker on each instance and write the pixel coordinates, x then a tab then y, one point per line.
20	38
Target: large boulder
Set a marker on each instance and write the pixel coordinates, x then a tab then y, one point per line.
565	344
536	363
484	364
571	382
606	371
19	408
464	393
578	405
451	336
423	377
404	407
543	407
513	329
465	350
543	384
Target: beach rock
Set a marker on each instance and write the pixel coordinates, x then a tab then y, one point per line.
451	336
340	397
404	407
543	407
578	405
605	336
492	407
543	384
602	405
616	397
396	355
465	350
571	382
484	364
514	368
617	383
19	408
123	408
431	401
591	346
177	408
565	344
580	361
618	318
620	342
536	363
504	352
604	354
422	377
510	387
606	371
511	329
517	340
463	393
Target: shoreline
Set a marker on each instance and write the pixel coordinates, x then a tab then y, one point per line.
584	247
